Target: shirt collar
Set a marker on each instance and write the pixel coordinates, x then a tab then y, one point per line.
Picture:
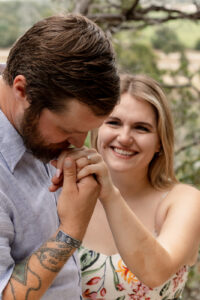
11	144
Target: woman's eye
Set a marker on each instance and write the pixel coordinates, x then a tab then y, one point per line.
142	128
113	123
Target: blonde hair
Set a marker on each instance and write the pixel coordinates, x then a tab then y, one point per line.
161	168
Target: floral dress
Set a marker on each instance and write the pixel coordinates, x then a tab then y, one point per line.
107	278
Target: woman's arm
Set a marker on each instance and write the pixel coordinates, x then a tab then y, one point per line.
152	260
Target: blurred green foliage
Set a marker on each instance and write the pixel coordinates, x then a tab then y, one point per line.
167	40
135	56
187	31
197	45
17	16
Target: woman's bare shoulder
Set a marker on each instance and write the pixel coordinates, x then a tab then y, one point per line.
184	190
179	196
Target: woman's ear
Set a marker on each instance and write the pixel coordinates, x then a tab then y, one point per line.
158	148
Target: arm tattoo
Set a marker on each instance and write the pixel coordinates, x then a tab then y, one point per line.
19	278
20	274
20	271
51	256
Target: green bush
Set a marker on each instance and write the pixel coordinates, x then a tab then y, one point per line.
137	57
166	39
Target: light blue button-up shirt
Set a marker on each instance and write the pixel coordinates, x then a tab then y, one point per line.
28	214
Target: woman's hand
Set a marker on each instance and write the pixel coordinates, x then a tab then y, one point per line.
93	164
57	179
88	162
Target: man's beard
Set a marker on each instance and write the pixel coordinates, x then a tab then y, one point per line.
33	140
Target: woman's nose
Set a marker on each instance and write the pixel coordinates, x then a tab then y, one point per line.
125	137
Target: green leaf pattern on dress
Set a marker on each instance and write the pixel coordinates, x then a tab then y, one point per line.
107	277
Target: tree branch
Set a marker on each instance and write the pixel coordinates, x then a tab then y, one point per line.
130	11
183	148
138	14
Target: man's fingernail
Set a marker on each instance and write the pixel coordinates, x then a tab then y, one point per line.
68	163
58	172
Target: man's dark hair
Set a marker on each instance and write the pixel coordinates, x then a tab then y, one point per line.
65	57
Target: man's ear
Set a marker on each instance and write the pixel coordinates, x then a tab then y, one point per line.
19	89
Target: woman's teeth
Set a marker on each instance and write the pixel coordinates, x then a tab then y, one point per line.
123	152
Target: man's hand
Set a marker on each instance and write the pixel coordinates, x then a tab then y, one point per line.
76	201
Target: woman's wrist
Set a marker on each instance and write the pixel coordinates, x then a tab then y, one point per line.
110	197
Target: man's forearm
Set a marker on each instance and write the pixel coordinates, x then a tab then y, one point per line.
32	277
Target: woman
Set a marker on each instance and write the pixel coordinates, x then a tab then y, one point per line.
145	229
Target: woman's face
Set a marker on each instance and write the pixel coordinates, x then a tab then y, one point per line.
128	138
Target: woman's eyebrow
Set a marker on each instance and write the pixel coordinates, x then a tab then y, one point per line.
145	124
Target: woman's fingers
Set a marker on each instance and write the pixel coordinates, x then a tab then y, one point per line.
91	158
81	163
82	153
82	157
98	169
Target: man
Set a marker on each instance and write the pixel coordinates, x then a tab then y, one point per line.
59	82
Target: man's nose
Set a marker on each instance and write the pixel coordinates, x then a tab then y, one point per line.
78	141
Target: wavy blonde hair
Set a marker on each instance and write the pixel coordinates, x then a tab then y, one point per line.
161	168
